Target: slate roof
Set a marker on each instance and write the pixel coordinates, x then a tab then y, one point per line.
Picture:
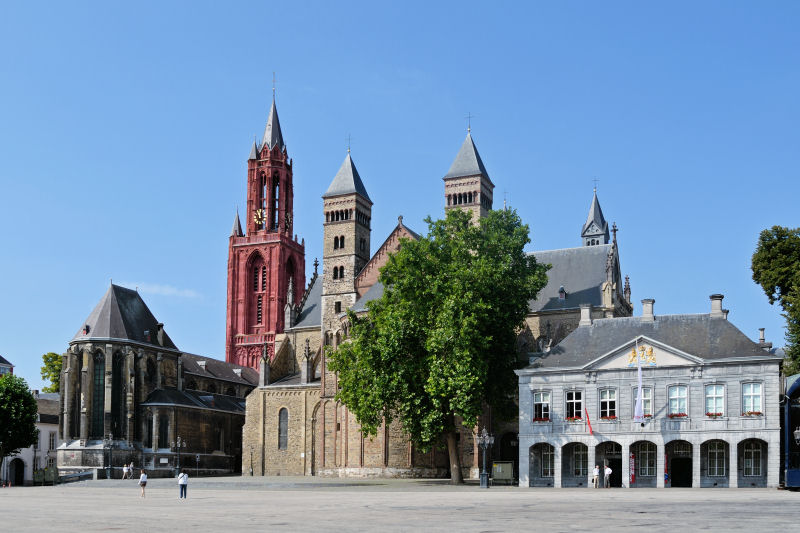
4	361
237	227
467	162
347	181
311	315
253	151
581	271
272	132
596	216
373	293
218	369
697	335
121	314
196	399
293	379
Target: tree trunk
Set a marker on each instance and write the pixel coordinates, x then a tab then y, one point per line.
455	459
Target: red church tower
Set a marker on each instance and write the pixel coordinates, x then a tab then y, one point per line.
266	267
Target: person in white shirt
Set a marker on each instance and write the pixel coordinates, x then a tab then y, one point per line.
607	473
596	476
183	481
124	470
143	481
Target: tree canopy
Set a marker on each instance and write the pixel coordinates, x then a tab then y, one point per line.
51	371
17	415
441	340
776	267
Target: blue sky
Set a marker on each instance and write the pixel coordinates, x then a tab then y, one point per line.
125	129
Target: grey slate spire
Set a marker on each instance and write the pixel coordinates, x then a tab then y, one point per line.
467	162
237	227
347	181
272	133
595	230
253	151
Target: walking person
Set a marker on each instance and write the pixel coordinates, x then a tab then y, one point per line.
596	476
124	470
607	479
183	482
143	481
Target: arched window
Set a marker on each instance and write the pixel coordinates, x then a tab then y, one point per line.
469	197
336	243
335	272
163	431
98	394
341	272
275	201
283	428
341	241
117	395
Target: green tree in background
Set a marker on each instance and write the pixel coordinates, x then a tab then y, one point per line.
441	340
776	267
51	371
17	416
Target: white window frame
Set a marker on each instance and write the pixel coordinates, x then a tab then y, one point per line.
647	401
717	396
715	449
577	405
52	441
610	407
548	461
685	397
752	459
647	459
544	398
751	396
580	458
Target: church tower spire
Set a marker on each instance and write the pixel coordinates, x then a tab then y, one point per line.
348	211
595	229
467	184
268	261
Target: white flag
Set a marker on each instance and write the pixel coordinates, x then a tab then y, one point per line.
638	411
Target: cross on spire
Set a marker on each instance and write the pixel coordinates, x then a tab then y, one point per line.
273	85
595	180
469	121
348	143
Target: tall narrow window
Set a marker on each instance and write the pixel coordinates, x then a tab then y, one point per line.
647	401
275	202
752	458
259	309
677	400
541	406
336	243
647	459
263	278
163	431
715	400
337	307
608	403
335	272
751	398
548	462
581	460
98	395
716	458
574	404
255	279
341	272
52	441
117	395
341	241
283	428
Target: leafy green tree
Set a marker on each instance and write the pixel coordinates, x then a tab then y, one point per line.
441	340
17	416
776	267
51	371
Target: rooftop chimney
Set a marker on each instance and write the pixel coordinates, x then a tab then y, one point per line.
761	338
586	315
160	334
716	306
647	310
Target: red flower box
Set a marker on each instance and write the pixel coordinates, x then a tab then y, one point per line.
677	415
541	419
612	417
713	415
574	419
752	413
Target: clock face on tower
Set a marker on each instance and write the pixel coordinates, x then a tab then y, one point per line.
258	217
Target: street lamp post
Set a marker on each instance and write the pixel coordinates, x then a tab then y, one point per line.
108	442
251	460
178	445
485	441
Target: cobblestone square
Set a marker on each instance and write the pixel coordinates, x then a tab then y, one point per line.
313	504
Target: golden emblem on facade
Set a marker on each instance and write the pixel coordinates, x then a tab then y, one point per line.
646	355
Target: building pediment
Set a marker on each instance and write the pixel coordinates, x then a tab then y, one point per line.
648	352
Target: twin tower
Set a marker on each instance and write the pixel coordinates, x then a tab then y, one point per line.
266	265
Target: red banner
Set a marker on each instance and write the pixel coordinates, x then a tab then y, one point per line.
632	464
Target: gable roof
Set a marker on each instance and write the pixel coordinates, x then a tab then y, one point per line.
122	315
4	361
596	216
214	368
347	181
467	162
581	271
698	335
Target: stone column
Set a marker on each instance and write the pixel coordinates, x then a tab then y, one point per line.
772	460
155	442
733	465
695	465
524	465
130	383
660	463
626	465
590	462
557	465
86	381
66	392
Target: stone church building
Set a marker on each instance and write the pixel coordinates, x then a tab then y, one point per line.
128	394
278	324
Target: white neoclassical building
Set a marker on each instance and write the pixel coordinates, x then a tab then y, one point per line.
710	400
